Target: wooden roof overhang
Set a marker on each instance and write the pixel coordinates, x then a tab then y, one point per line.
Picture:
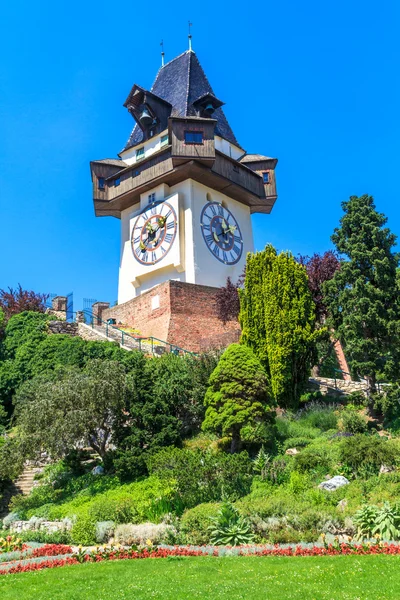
226	175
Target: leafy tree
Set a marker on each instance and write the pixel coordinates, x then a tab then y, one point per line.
362	297
236	400
19	300
58	413
320	268
227	300
278	322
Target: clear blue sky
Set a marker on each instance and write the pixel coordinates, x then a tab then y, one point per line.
314	83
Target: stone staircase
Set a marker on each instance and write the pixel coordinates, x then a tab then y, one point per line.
102	331
23	485
25	482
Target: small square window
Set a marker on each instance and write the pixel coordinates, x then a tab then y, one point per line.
117	181
193	137
139	153
164	140
266	177
152	197
236	168
102	183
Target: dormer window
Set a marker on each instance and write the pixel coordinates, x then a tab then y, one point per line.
193	137
265	176
117	181
101	183
139	154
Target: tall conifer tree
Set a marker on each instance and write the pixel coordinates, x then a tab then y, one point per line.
277	316
362	298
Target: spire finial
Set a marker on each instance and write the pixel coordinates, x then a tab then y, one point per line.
162	52
190	35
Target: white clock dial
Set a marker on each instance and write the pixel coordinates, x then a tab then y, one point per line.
221	233
153	233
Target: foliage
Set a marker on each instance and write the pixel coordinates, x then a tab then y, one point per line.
229	528
387	522
383	522
237	402
166	405
365	454
227	300
195	522
84	531
79	407
277	316
104	530
10	543
262	462
15	301
318	414
203	476
362	297
352	422
320	268
365	519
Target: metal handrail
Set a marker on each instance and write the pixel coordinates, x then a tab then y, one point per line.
139	339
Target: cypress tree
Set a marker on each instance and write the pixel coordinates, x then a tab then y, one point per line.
277	316
362	298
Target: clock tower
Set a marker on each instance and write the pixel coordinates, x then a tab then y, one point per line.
184	190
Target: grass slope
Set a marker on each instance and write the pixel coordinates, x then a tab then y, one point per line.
314	578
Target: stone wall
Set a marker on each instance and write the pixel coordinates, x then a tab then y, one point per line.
339	386
183	314
63	327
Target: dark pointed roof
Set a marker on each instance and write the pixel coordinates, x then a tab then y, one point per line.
181	82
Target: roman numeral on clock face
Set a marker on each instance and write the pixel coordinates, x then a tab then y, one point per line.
149	241
221	233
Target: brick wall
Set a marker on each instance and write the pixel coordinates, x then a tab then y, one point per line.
180	313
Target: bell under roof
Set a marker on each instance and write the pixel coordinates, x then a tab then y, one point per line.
181	82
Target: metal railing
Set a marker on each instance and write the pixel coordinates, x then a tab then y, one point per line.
141	342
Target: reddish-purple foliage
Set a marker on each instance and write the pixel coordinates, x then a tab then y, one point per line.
16	301
320	268
228	305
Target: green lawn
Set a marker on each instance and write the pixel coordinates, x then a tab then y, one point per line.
311	578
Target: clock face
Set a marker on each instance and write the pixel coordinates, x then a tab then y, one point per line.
154	233
221	233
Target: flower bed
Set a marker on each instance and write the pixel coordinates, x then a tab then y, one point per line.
63	555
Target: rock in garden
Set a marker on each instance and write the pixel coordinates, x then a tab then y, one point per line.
385	469
98	470
334	484
292	451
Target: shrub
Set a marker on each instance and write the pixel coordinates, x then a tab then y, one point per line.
357	398
203	476
195	523
318	415
129	534
365	454
319	457
229	528
84	531
104	530
57	537
384	522
353	422
236	401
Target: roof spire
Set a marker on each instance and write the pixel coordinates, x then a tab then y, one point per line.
162	53
190	36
